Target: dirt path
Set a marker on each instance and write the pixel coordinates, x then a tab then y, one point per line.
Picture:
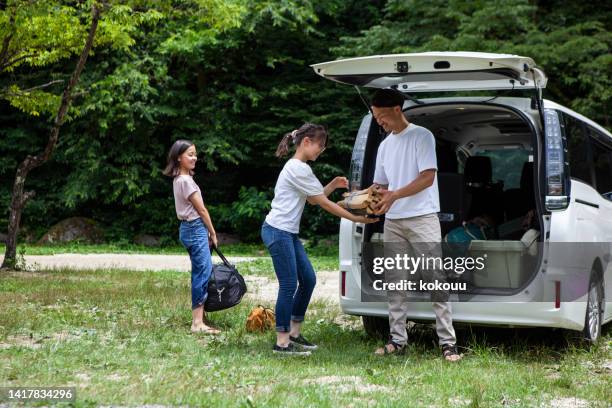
262	288
265	289
136	262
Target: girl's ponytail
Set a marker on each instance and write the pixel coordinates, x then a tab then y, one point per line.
317	132
283	147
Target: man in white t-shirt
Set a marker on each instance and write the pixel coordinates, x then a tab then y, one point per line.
406	168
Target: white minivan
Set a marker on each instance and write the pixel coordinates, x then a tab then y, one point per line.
515	159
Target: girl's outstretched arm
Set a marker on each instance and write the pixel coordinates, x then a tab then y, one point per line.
198	204
338	182
336	210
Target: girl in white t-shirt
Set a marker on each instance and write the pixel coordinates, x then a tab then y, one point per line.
297	184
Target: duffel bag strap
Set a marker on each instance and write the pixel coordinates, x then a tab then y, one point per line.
223	258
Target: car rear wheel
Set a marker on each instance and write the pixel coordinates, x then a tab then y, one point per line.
376	327
594	311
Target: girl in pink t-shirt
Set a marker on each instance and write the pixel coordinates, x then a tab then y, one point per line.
196	231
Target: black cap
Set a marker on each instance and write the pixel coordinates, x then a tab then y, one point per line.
387	98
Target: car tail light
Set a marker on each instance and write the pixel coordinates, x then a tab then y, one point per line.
343	283
557	181
557	295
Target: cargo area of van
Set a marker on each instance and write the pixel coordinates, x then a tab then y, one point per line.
486	155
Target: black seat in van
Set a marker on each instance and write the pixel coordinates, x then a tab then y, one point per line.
484	197
452	201
450	187
518	201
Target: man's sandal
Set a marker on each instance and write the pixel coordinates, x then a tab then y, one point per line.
391	348
450	353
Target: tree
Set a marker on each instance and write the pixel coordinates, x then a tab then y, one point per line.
42	33
37	39
19	198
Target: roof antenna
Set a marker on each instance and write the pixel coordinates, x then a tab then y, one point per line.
364	100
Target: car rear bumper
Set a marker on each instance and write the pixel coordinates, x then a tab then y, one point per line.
518	314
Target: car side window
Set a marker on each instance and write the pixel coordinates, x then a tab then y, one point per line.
578	149
602	162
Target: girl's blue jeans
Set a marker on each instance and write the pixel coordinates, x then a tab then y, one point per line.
194	237
296	277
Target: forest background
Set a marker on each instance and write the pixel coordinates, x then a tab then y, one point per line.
233	77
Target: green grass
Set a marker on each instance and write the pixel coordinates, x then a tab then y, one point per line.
254	249
122	337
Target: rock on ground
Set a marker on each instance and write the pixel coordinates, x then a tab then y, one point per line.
74	229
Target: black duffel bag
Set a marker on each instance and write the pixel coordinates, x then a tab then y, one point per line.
225	287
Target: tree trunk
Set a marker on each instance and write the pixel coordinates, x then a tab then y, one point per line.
19	198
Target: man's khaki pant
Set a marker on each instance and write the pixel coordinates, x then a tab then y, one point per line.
422	229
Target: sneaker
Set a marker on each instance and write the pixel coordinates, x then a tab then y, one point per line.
290	350
303	343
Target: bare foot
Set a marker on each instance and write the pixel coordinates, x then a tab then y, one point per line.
202	328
